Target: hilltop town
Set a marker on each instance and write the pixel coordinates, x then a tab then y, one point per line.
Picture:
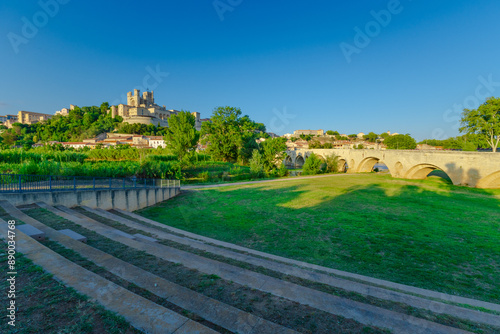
142	109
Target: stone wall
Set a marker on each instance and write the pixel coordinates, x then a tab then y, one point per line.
125	199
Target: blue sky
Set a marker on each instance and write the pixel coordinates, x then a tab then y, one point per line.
281	62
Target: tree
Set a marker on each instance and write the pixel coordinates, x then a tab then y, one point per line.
227	132
332	133
273	153
256	164
312	166
384	135
104	108
371	137
332	163
400	142
314	144
182	136
484	121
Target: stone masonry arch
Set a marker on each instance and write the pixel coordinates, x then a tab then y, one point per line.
421	171
342	165
299	161
490	181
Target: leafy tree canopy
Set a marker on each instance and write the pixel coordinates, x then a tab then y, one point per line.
332	133
273	153
227	132
484	121
371	137
181	136
81	123
400	142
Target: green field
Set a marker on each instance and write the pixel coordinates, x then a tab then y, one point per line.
425	233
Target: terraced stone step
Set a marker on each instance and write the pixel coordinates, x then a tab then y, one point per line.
366	314
138	311
214	311
369	280
367	290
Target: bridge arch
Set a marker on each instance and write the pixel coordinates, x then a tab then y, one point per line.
490	181
366	165
288	161
421	171
342	165
299	161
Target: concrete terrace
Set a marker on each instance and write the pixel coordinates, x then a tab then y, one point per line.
299	285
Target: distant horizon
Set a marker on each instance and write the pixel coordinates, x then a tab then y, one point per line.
409	66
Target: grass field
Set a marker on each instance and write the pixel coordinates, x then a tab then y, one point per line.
425	233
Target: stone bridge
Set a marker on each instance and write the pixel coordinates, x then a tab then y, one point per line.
475	169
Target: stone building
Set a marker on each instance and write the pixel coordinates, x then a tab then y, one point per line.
26	117
11	118
142	109
309	132
65	111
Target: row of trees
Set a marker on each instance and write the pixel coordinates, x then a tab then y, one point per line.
81	123
229	137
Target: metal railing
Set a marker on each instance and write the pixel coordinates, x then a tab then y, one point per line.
16	183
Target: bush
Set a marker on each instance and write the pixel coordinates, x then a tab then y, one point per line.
312	166
256	164
332	163
282	171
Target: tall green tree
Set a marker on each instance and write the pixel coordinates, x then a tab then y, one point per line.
182	137
400	142
228	135
273	153
484	121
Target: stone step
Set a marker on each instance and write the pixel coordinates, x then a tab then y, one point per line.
139	236
31	231
369	280
367	290
212	310
138	311
73	235
366	314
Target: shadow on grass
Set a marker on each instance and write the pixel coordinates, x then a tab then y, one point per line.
432	235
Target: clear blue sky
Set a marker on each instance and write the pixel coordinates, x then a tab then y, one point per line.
267	57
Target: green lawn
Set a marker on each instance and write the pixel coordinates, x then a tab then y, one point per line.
425	233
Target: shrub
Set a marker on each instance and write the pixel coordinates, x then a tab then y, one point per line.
332	163
312	166
282	171
204	176
256	164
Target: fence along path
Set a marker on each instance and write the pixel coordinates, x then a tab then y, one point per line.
18	183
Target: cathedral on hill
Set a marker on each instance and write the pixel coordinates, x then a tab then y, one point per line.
142	109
